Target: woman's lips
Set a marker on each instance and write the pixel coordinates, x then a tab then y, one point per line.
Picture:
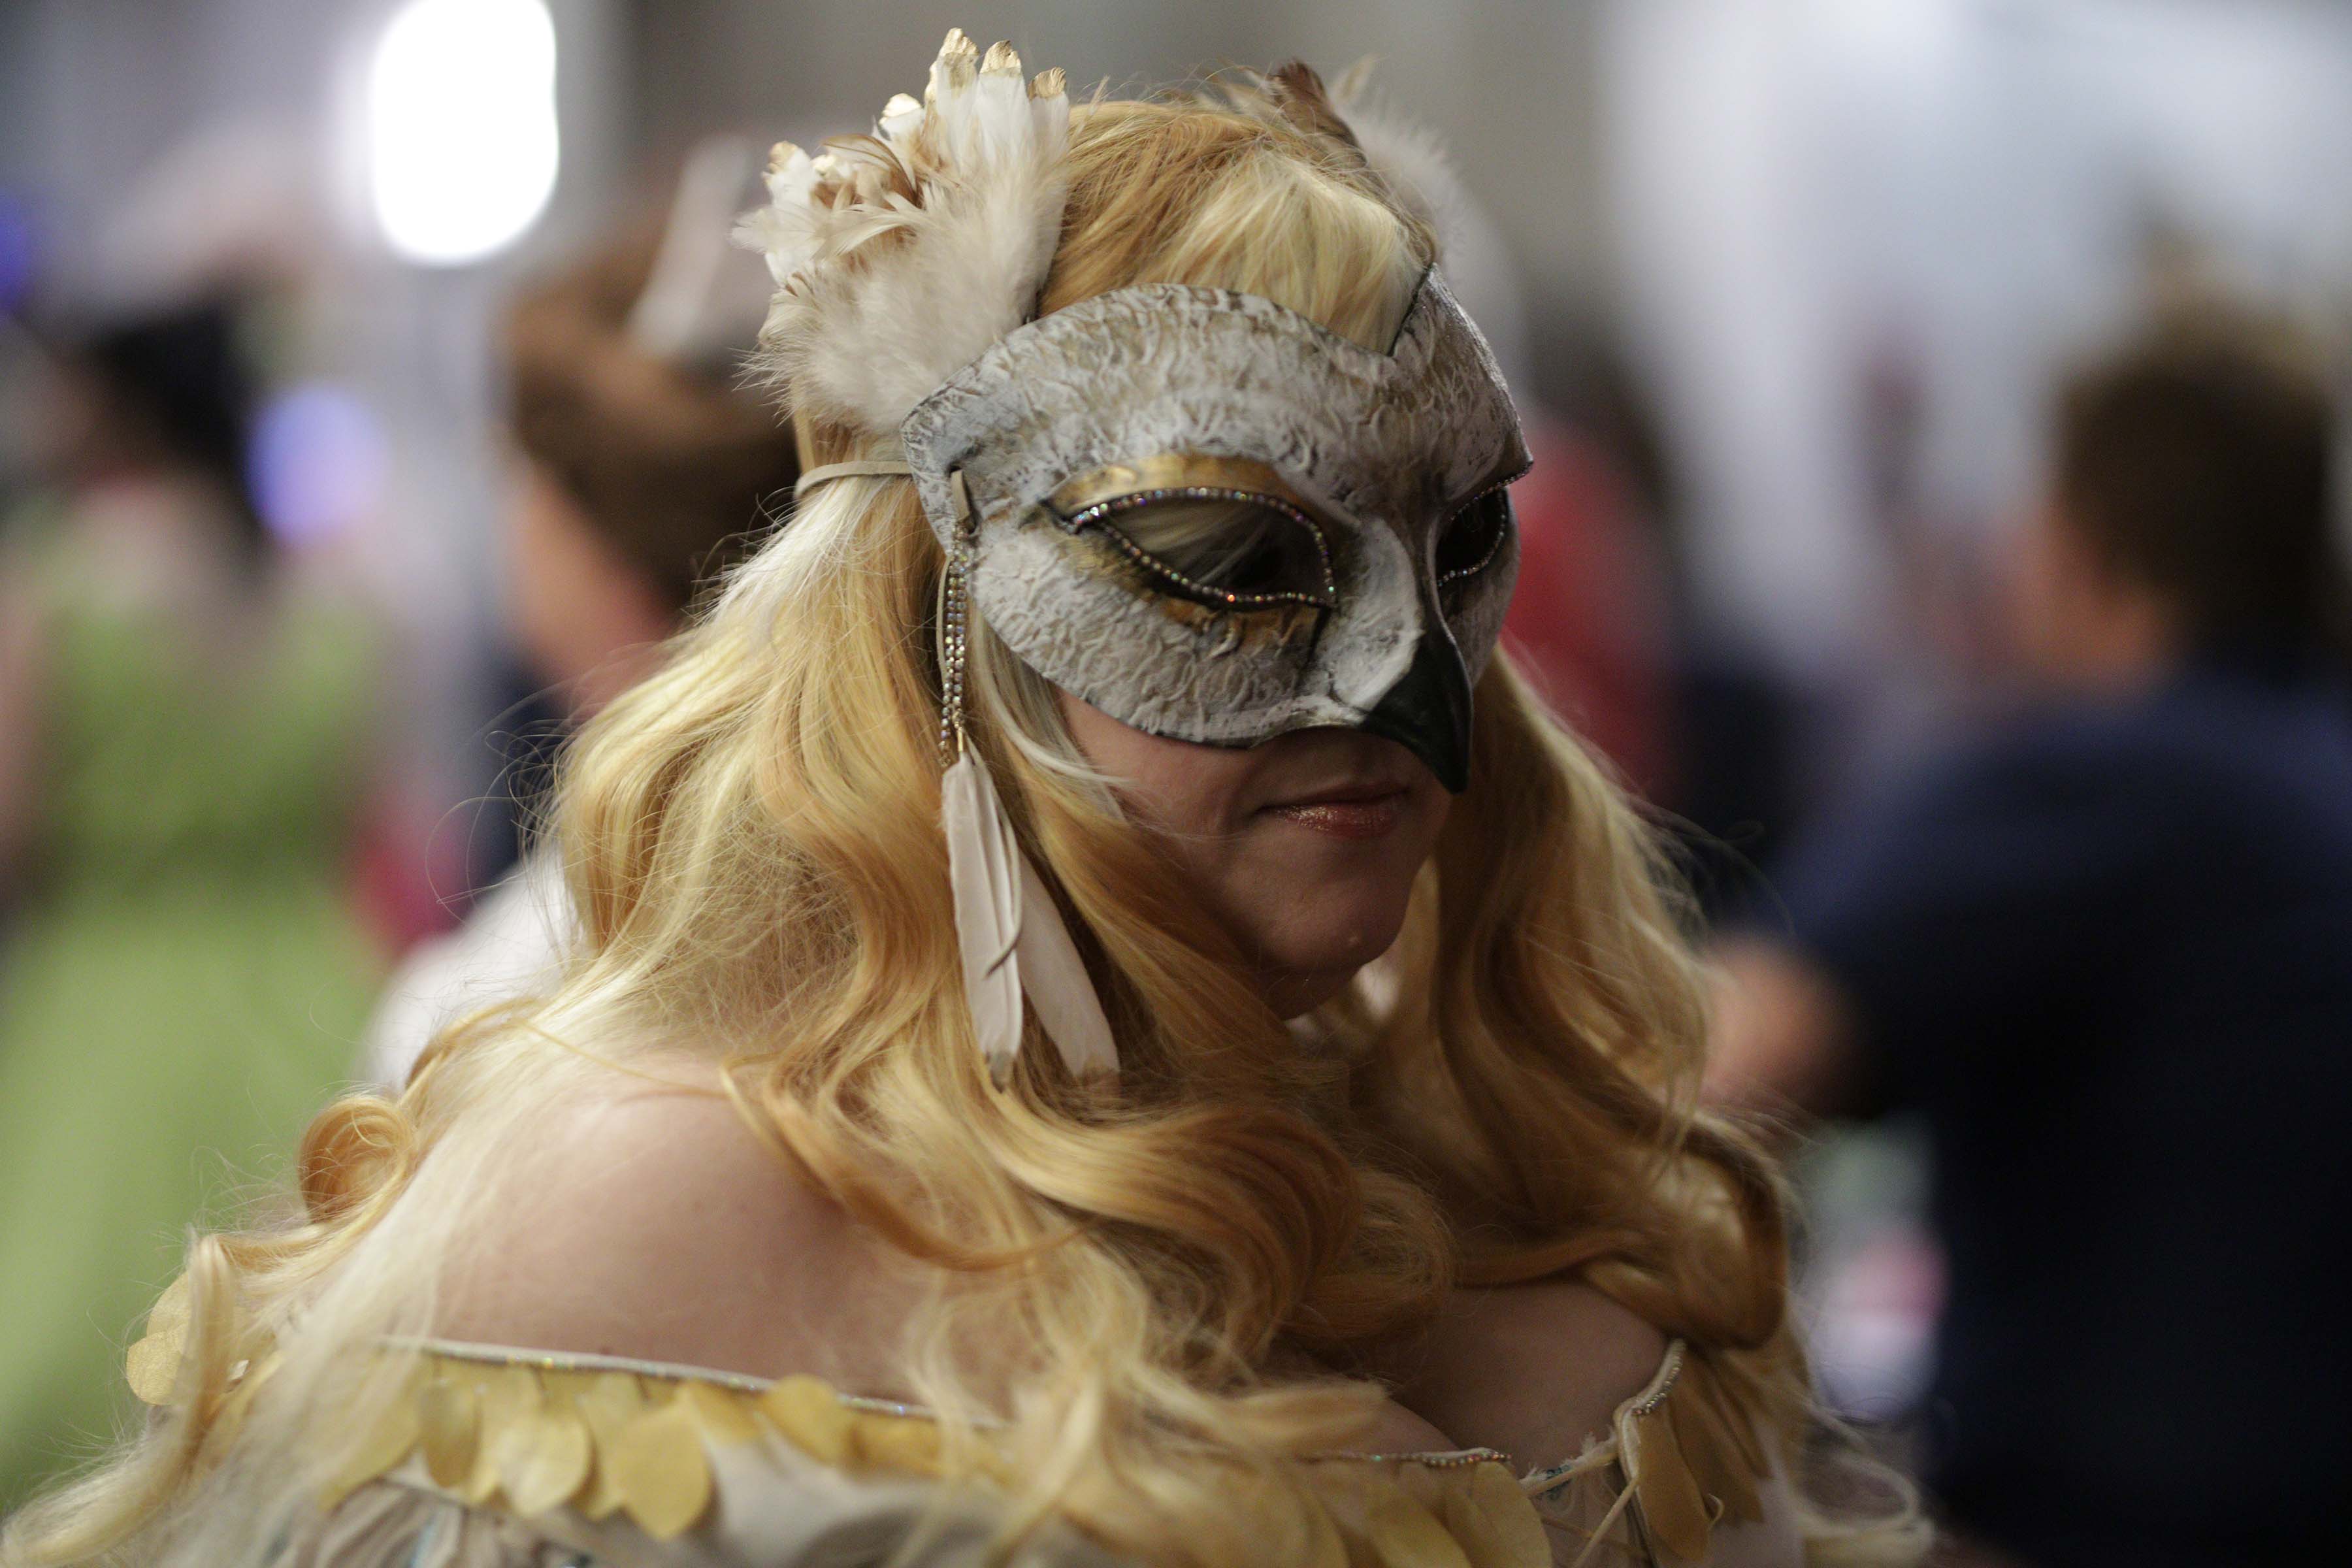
1352	816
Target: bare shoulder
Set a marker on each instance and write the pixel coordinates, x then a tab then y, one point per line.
1533	1370
654	1222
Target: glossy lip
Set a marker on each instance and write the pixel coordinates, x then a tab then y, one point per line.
1371	816
1357	808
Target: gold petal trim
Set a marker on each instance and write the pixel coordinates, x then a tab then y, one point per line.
805	1408
661	1471
1665	1494
544	1432
1687	1457
153	1367
1400	1530
546	1458
449	1419
610	1403
1725	1459
1493	1516
381	1447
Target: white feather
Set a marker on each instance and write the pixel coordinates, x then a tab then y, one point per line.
937	277
982	861
899	121
1054	979
1011	938
1049	111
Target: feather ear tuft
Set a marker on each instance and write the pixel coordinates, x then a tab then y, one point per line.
899	256
1409	161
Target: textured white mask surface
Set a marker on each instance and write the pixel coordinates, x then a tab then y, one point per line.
1380	553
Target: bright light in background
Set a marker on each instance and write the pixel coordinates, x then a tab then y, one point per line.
461	140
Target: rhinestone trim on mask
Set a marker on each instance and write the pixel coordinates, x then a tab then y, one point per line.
1102	511
1463	573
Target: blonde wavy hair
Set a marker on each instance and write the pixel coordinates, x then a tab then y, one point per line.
751	837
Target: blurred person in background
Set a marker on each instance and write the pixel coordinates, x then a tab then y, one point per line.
2105	953
185	729
644	467
1590	620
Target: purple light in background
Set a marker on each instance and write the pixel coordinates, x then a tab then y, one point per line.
16	251
317	463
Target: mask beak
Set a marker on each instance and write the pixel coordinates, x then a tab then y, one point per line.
1428	710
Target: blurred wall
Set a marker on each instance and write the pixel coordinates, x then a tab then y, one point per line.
1855	239
1507	85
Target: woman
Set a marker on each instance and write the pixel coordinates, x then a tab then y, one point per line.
1139	1221
185	718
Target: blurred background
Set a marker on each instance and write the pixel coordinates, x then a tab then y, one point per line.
1784	286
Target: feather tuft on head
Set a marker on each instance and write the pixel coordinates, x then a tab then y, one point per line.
898	257
1408	162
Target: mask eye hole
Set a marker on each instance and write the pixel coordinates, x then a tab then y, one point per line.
1224	548
1474	536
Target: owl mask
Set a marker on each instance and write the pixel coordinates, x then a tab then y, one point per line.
1217	522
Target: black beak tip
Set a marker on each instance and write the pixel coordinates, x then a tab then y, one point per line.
1428	712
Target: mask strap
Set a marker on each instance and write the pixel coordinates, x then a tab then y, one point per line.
878	468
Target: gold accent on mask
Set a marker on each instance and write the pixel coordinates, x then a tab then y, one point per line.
1169	470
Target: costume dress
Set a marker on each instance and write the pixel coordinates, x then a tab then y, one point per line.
182	980
489	1457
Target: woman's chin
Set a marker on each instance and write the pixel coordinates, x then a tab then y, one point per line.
1304	965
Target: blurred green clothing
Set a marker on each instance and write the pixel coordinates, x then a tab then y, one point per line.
182	979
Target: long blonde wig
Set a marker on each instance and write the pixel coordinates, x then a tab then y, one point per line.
751	837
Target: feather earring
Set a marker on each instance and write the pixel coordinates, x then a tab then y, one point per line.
988	890
1008	927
